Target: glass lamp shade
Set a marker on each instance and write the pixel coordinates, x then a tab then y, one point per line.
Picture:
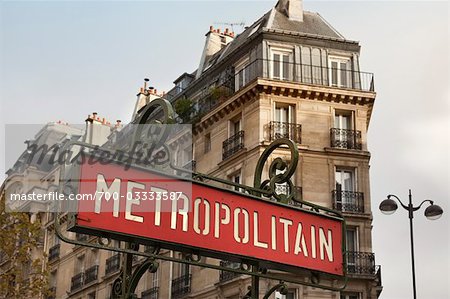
433	212
388	206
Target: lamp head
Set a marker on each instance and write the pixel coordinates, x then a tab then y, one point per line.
433	212
388	206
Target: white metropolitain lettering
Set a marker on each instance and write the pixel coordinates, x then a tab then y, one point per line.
274	233
300	243
327	244
256	241
246	237
133	201
157	204
218	220
313	242
182	212
197	202
103	191
286	224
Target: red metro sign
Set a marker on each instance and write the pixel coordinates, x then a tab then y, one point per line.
182	214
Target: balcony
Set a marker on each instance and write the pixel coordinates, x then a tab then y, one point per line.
285	130
360	263
227	275
181	285
112	264
152	293
345	139
232	145
91	274
77	282
305	74
348	201
53	253
214	93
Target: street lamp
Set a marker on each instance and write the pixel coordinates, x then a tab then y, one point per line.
432	212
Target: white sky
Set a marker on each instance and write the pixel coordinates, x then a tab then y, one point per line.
64	60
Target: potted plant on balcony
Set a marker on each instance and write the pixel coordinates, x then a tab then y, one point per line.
219	93
184	108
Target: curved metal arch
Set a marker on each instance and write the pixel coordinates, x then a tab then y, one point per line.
278	165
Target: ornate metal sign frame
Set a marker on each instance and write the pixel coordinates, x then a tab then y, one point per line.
279	172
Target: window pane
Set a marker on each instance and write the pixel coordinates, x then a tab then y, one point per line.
334	73
344	73
276	66
286	67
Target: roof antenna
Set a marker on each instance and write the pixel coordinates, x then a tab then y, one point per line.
232	24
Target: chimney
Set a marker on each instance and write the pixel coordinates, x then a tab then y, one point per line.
213	44
293	9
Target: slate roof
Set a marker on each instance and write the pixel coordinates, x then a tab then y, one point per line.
313	24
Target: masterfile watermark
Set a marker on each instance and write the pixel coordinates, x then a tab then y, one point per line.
49	170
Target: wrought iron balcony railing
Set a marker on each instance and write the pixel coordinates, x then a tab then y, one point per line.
232	145
53	252
348	201
77	282
91	274
304	73
181	285
346	139
152	293
112	264
360	263
285	130
211	96
227	275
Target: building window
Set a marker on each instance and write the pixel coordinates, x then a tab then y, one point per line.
351	234
207	142
284	115
350	296
340	71
284	125
237	179
345	180
235	142
281	64
343	135
235	126
290	295
91	295
352	247
242	74
343	120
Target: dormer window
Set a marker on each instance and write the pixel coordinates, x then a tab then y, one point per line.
340	72
242	74
281	64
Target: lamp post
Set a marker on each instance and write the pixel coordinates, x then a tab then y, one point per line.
432	212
